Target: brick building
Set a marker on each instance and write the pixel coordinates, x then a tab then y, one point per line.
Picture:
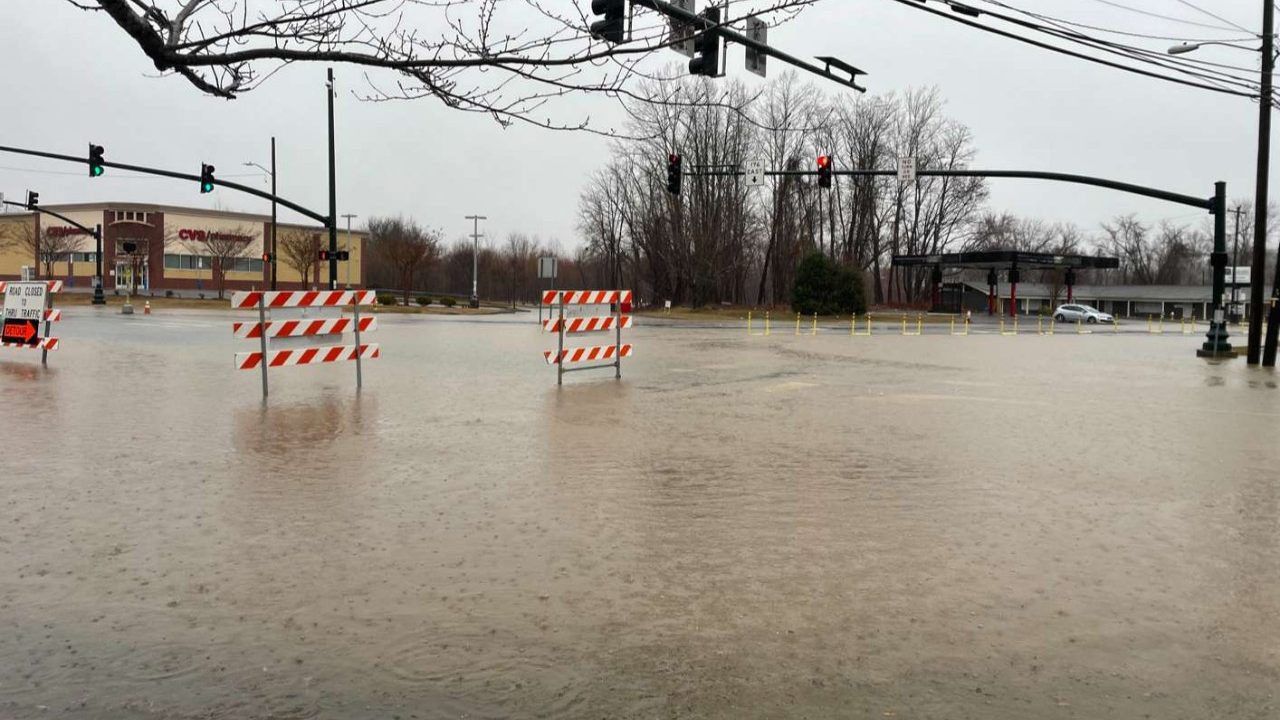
156	248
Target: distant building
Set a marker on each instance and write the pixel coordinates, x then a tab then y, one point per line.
160	247
1177	301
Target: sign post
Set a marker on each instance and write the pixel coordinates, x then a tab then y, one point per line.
548	268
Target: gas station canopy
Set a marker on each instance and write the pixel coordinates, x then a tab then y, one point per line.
1000	259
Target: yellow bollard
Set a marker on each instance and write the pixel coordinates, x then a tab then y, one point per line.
766	323
1039	324
748	323
1053	325
919	324
853	325
1079	327
797	323
868	324
1151	330
814	330
904	324
1161	324
953	326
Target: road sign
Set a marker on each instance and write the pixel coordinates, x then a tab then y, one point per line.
906	170
24	308
681	36
26	305
757	62
1238	275
754	170
547	268
21	331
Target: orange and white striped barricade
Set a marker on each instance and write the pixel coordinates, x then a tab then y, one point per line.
302	327
27	305
603	356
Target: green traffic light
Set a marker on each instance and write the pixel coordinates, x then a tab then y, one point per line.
96	170
206	187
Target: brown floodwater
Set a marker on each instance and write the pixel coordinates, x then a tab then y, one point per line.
742	527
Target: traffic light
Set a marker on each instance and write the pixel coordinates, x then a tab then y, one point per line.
266	258
824	171
675	173
324	255
613	28
95	160
206	178
706	47
33	199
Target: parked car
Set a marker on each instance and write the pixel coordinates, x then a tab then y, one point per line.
1081	313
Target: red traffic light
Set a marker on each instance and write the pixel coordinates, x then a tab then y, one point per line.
824	161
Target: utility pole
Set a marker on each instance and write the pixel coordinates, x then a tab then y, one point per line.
333	194
1257	291
348	216
475	262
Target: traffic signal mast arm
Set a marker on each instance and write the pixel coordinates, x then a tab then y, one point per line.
60	216
701	24
1202	203
318	217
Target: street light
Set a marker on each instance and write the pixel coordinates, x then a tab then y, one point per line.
272	173
1185	48
1265	99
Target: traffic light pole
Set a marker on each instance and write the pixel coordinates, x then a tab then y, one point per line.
274	257
1216	345
332	220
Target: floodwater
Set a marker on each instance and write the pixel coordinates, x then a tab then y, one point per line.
742	527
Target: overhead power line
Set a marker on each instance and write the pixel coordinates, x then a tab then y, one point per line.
1170	18
1206	80
1215	16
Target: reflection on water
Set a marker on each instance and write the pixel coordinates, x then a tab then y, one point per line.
740	527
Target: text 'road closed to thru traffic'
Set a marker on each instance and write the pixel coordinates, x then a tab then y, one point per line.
26	306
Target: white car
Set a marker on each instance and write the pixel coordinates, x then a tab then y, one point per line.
1081	313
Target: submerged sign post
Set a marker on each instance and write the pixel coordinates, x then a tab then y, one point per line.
28	305
301	328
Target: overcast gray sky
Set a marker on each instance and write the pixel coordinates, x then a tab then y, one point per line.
72	77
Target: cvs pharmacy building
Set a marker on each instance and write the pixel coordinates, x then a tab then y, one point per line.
156	248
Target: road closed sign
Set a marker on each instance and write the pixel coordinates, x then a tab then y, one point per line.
24	309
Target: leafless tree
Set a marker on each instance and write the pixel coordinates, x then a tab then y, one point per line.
508	59
45	247
406	247
521	253
300	250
